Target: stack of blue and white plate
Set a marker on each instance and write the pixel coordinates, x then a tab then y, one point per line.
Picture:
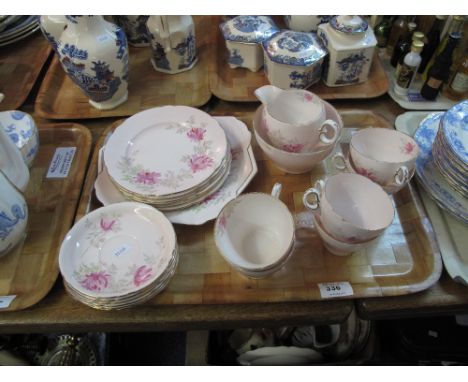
15	28
442	166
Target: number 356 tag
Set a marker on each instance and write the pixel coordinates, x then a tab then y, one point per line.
336	289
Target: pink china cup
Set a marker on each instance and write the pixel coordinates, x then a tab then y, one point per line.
296	118
335	246
255	232
352	207
386	156
293	161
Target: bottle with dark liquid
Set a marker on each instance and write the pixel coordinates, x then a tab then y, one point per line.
382	31
439	72
403	46
433	40
399	28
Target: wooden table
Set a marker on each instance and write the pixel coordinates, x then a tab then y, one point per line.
58	312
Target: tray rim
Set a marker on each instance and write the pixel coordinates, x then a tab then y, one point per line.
84	156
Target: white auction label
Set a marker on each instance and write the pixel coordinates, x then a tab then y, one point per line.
5	301
61	162
337	289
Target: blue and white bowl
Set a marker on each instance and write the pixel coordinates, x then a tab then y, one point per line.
22	130
455	132
244	35
294	59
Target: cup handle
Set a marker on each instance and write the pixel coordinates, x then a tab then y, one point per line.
276	191
401	176
339	161
305	198
329	126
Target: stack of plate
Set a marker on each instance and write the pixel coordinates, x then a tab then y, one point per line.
16	28
442	163
450	148
171	157
119	256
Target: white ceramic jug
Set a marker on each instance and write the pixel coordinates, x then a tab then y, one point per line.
94	54
13	216
173	44
12	163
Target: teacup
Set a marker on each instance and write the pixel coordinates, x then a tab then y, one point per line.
386	156
296	118
250	243
352	207
290	161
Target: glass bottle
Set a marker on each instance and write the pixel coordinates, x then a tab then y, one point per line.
382	31
399	28
439	72
458	87
407	71
433	40
402	45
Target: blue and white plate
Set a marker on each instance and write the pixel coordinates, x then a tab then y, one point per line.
428	174
455	129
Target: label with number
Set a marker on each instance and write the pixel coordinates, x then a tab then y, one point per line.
61	162
337	289
5	301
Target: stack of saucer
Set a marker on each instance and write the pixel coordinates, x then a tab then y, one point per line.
450	148
16	27
118	256
171	157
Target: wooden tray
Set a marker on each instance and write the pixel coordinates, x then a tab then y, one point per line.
31	270
20	66
60	98
405	260
239	84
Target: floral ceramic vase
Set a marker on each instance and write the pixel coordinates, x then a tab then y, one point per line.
135	29
94	54
13	216
173	44
351	44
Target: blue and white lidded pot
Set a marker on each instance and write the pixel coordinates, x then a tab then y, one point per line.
22	130
351	43
244	36
135	29
173	43
293	59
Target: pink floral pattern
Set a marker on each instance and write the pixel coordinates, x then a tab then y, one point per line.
293	147
408	148
308	97
95	281
196	134
366	173
200	162
222	223
147	177
142	275
107	225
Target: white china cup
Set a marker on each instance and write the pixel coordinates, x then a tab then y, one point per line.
296	119
386	156
352	207
255	233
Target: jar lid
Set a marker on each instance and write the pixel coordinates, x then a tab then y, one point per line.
294	48
417	46
349	24
418	36
249	29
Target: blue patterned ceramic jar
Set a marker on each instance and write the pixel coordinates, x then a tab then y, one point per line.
293	59
173	43
94	54
351	44
303	23
22	130
244	36
13	216
135	29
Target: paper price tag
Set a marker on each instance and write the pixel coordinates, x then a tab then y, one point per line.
337	289
5	301
61	162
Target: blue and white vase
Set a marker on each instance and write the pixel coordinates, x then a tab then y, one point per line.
94	54
13	216
351	43
135	29
173	43
244	35
293	59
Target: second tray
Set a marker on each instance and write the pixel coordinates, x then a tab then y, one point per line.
404	260
60	98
